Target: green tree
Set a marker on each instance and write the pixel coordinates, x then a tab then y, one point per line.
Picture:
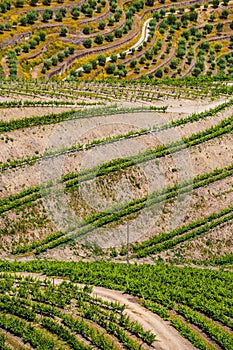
219	27
217	47
99	9
174	63
19	3
71	50
32	16
60	56
47	15
58	17
32	43
117	16
149	2
118	33
66	52
2	28
23	21
26	47
224	14
86	30
110	68
208	28
42	35
47	64
54	60
99	39
111	21
89	12
87	67
17	50
101	60
109	37
63	31
75	13
101	25
212	18
33	2
215	3
122	55
73	73
113	57
87	43
93	63
133	63
196	71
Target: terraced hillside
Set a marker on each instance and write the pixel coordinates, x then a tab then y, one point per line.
110	190
92	169
100	39
40	310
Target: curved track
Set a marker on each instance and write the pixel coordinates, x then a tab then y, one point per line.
167	337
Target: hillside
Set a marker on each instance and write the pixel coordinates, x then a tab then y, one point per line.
99	39
116	195
129	171
79	172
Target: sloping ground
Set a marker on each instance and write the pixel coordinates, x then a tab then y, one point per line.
166	336
191	305
149	182
151	38
72	181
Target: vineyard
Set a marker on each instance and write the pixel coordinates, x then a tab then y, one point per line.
81	168
58	312
116	195
135	175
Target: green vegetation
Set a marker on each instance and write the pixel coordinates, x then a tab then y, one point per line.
108	28
42	304
163	289
118	69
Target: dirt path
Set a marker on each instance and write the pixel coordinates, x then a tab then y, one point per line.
5	67
144	35
35	71
167	338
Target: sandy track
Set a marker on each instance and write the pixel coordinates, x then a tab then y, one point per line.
167	338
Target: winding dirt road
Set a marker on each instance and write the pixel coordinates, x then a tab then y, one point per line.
167	338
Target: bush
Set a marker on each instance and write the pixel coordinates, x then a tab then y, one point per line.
101	60
109	37
86	30
101	25
99	39
87	43
32	43
111	68
159	73
63	31
87	67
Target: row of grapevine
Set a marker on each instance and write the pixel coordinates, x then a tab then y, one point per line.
73	179
104	218
26	103
182	121
32	302
167	240
164	289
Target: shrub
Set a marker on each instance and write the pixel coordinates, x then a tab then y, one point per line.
87	43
